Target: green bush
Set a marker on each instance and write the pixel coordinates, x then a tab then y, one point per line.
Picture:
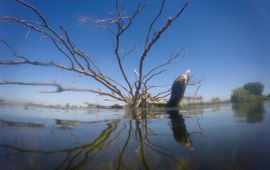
67	105
250	92
240	95
255	88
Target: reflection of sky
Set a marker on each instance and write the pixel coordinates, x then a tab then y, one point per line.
220	136
47	116
226	43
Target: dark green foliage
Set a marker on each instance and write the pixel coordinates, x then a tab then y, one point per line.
255	88
250	92
241	95
67	105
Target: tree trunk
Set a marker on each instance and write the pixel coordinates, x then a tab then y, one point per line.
178	89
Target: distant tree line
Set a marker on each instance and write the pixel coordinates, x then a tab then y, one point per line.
250	92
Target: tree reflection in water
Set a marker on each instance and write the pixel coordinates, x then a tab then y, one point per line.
83	153
179	129
6	123
135	137
253	112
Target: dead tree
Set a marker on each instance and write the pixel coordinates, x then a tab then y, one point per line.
135	93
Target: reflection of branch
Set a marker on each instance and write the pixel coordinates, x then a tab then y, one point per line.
21	150
119	162
141	140
161	153
153	144
97	144
21	124
78	157
64	161
75	153
97	148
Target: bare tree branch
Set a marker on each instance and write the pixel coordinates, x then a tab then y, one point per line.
153	75
121	28
35	10
56	38
51	64
59	88
153	22
118	83
194	81
198	89
12	49
48	28
152	42
133	93
164	93
171	60
129	52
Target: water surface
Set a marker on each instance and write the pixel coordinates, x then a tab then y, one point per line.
227	137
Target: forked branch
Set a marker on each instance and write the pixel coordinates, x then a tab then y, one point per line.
134	93
153	41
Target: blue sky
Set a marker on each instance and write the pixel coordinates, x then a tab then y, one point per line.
226	43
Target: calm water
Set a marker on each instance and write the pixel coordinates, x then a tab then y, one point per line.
228	137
